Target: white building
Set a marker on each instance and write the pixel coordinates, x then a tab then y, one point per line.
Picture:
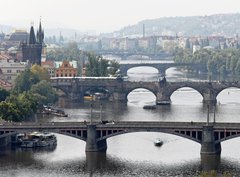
196	48
10	69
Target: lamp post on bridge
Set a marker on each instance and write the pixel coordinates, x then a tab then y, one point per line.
208	114
91	113
101	106
214	115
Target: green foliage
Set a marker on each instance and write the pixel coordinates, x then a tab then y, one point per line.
18	107
215	61
100	67
41	72
9	112
69	52
113	67
32	90
3	94
44	93
25	80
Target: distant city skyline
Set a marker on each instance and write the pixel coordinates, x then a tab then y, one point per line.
104	15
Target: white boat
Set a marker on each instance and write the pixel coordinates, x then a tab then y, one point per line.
158	142
38	139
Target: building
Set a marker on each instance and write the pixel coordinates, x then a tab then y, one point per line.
32	49
147	42
10	68
66	69
49	65
127	44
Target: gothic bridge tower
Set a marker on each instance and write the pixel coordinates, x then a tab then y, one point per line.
33	48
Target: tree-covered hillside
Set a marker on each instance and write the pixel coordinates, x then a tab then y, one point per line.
220	24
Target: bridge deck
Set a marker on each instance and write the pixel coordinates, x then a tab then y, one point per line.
121	124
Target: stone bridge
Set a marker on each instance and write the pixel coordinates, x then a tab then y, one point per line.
95	134
118	89
160	66
126	54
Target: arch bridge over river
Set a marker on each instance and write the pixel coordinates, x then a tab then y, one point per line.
95	134
161	66
118	89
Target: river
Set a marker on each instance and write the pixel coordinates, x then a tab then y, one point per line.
133	154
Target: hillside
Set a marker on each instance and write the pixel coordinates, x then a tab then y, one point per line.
219	24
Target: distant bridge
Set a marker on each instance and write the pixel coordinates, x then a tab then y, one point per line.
209	136
118	89
125	54
160	66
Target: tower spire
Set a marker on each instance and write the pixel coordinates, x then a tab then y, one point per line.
32	38
40	33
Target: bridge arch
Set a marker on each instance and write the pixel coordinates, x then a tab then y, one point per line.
140	87
174	89
185	89
61	90
142	70
71	133
224	135
228	89
93	90
183	134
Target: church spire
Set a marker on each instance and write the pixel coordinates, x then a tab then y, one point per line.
40	33
32	38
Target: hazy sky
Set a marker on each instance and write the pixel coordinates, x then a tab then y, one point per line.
104	15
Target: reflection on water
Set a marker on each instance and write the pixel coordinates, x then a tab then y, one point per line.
210	162
133	154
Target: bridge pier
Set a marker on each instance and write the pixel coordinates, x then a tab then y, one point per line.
209	97
163	99
118	96
93	145
4	141
76	96
209	145
123	70
162	72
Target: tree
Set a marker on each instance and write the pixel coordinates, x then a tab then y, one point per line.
18	107
31	90
41	72
114	67
97	66
44	93
3	94
211	66
9	112
25	80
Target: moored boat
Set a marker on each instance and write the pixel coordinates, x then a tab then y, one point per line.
38	139
54	111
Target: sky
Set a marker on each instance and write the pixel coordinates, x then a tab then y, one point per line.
104	15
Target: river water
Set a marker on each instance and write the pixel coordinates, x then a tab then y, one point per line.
134	154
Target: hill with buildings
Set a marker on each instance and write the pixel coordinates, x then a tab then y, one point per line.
219	24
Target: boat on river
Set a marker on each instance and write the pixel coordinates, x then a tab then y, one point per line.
158	142
37	139
163	102
149	107
54	111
